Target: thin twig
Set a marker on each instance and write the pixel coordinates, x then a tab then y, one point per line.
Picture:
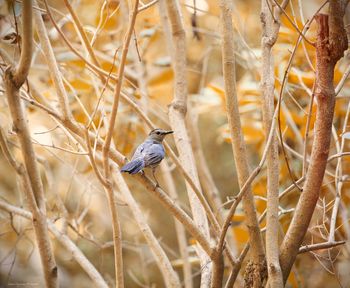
92	160
52	64
66	242
75	51
307	129
301	33
106	149
170	277
146	6
320	246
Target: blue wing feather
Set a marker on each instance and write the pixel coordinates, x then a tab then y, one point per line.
133	166
147	154
154	154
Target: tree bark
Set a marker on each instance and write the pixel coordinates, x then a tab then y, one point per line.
177	114
256	266
13	80
66	242
170	277
330	46
271	25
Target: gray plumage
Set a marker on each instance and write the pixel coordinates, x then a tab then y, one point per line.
148	154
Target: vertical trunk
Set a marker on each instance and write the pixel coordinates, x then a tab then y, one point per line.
177	114
271	25
255	271
330	46
13	80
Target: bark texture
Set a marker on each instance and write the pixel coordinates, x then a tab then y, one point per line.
330	46
14	78
255	272
271	25
177	114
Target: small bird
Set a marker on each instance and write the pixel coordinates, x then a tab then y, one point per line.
148	154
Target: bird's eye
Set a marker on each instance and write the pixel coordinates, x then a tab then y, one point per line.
157	132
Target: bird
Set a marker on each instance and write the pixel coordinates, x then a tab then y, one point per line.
148	154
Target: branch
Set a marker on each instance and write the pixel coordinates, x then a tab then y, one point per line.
84	38
246	185
330	46
118	87
52	63
320	246
8	155
105	153
180	230
238	144
91	66
65	241
271	25
283	84
98	174
177	112
33	187
158	193
170	277
282	9
146	6
234	273
177	212
21	73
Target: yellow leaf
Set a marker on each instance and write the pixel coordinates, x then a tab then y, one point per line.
160	86
295	75
80	84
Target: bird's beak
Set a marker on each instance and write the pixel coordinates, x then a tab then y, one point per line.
168	132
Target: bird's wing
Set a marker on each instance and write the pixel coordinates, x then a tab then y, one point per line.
153	154
138	152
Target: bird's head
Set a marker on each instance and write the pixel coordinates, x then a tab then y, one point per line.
158	134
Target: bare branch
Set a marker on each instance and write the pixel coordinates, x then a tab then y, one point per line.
25	60
178	213
158	193
271	25
320	246
180	230
52	63
330	46
65	241
33	187
238	145
8	155
177	112
283	84
146	6
169	275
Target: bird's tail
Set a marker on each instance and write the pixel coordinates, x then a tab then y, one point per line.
133	166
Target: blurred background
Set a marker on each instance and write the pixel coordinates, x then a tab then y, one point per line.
70	181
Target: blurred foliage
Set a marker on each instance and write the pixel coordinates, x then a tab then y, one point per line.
150	83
